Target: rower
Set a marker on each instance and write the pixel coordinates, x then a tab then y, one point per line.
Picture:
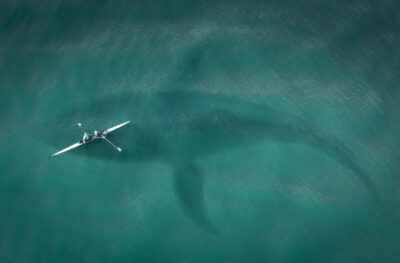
96	133
85	137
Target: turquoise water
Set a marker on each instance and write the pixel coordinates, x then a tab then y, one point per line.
260	131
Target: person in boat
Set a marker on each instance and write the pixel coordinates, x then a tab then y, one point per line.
85	137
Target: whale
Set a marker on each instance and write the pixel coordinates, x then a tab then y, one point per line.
178	124
180	127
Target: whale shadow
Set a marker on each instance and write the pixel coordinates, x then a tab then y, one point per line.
177	126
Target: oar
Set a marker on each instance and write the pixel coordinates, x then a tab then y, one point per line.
119	149
80	126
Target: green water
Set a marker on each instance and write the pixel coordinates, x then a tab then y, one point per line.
260	131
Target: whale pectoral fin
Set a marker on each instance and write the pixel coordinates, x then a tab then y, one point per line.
189	184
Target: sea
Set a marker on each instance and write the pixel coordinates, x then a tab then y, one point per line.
260	131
